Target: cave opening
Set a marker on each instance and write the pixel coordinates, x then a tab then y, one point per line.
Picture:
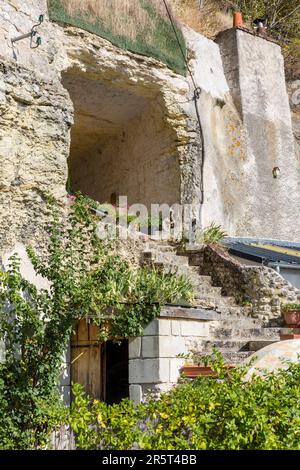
121	142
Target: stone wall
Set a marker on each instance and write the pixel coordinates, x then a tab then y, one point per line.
254	68
154	365
223	139
260	286
35	122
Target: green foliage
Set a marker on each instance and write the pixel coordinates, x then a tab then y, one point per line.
28	377
290	306
153	38
117	215
212	234
85	279
227	413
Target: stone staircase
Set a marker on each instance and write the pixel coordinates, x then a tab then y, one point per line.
237	338
164	257
235	333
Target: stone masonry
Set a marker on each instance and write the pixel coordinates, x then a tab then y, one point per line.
262	288
154	365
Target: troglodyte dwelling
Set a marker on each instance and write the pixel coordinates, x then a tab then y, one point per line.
122	102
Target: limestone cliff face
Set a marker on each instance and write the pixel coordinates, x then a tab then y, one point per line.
136	130
35	121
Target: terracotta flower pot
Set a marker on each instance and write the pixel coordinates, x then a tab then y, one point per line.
292	317
238	20
192	371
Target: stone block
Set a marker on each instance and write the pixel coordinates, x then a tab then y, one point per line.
152	329
162	346
148	371
135	393
175	327
194	328
171	346
134	348
150	346
158	326
175	366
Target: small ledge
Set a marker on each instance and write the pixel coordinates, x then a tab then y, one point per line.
189	313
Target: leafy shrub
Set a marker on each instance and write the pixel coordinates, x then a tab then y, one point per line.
213	414
211	234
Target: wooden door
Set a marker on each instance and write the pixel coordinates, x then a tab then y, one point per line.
86	359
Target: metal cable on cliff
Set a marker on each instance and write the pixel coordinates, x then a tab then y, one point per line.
196	96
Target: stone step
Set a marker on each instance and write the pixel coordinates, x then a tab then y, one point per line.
260	344
234	311
173	268
237	322
236	357
218	301
229	356
162	248
225	345
199	280
167	258
245	333
208	289
236	345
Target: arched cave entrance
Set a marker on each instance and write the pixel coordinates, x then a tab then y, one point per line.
121	142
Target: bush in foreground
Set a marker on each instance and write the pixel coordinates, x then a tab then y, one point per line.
207	414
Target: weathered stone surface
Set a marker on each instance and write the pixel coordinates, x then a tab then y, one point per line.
194	328
263	288
158	327
35	120
135	348
148	371
136	393
255	71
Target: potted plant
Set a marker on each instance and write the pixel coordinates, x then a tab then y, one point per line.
191	371
291	314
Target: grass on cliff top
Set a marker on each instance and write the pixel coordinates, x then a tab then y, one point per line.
140	26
